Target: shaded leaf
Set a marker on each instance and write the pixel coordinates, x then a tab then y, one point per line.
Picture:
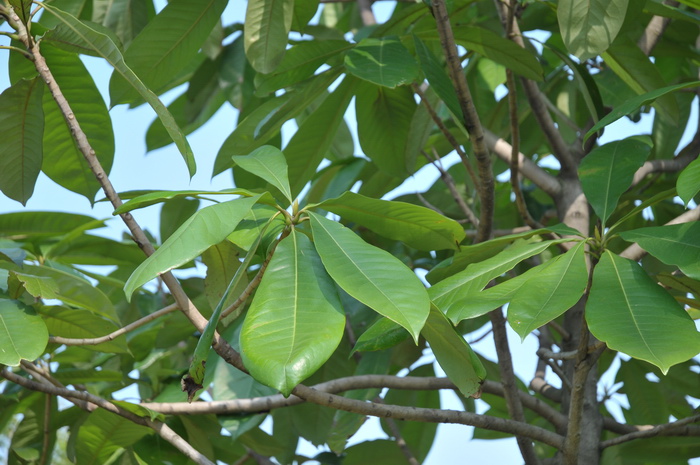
675	244
588	28
437	77
419	227
296	319
631	313
267	24
383	334
384	62
103	434
688	184
607	172
23	334
167	44
371	275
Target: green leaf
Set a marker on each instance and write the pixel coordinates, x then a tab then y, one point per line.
42	224
299	63
641	75
419	227
468	283
85	37
166	45
154	197
632	314
588	28
383	121
437	77
676	244
607	172
268	163
453	353
309	146
371	275
205	228
103	434
77	323
688	184
551	289
23	334
23	9
21	130
69	288
634	104
382	451
263	123
63	162
267	24
296	319
384	62
125	17
383	334
496	48
174	213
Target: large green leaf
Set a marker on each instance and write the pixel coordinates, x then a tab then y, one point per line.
154	197
676	244
267	24
588	28
634	104
309	146
607	172
371	275
419	227
263	123
383	122
43	224
50	283
631	313
23	334
82	324
453	353
299	63
632	66
471	281
207	227
688	184
79	37
497	48
63	162
21	130
268	163
551	290
296	319
103	434
166	45
384	62
125	17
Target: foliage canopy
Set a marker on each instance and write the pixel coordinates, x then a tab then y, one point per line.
312	300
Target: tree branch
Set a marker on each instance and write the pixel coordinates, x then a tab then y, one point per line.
652	33
366	14
115	334
654	431
545	181
471	120
159	427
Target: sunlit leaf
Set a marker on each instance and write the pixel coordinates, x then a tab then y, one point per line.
688	184
268	163
23	334
267	25
588	28
384	62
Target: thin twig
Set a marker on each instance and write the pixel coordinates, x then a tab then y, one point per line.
655	431
115	334
159	427
486	184
398	438
366	13
452	187
446	132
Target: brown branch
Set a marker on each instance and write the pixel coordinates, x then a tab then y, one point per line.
366	14
538	383
471	120
652	33
159	427
503	150
44	377
398	438
635	252
654	431
620	428
46	430
115	334
510	390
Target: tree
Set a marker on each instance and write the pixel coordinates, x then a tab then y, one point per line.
591	247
